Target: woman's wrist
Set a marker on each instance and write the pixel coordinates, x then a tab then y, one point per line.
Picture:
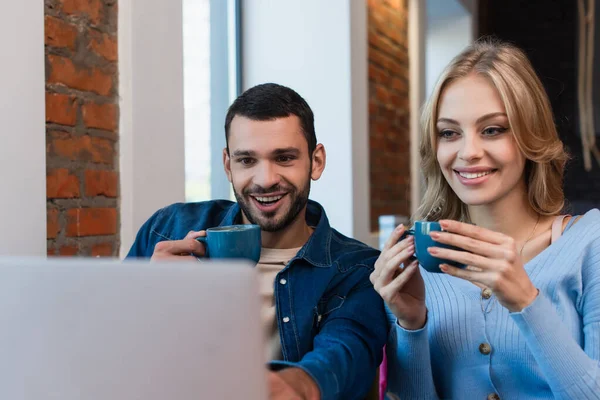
526	300
414	324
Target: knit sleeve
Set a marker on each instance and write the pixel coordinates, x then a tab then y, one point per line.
409	366
572	372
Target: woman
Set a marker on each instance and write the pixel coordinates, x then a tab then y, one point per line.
523	319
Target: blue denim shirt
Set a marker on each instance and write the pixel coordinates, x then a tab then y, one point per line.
332	323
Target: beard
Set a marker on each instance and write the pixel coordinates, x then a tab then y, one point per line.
269	222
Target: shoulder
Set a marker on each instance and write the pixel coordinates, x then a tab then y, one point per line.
176	220
584	242
590	231
350	252
587	226
582	249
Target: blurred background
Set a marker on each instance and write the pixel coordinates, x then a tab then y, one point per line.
113	109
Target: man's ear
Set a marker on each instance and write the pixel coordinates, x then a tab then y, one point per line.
227	163
319	158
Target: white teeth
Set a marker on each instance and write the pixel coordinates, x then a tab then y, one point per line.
268	199
473	175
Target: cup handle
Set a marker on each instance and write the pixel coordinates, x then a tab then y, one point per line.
203	240
406	233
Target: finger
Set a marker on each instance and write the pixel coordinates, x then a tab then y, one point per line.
392	252
463	257
473	231
387	267
466	274
377	268
403	257
392	267
394	237
177	247
195	234
473	268
400	246
470	244
372	277
398	283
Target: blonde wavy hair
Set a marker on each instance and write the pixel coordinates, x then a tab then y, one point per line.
530	118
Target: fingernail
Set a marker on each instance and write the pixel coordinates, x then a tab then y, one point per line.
400	227
444	224
432	250
435	235
443	268
411	249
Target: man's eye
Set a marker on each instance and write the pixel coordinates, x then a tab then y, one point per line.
284	159
246	161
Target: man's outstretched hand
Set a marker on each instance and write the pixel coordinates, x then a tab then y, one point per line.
292	384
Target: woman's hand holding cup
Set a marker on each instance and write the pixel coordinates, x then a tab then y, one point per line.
398	281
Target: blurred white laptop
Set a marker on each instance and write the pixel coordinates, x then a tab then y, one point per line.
84	329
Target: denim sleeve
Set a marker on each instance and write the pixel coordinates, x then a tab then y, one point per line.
348	348
143	246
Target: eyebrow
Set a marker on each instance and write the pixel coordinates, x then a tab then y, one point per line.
479	120
276	152
244	153
286	150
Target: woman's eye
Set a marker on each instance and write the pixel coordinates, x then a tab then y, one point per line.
492	131
446	134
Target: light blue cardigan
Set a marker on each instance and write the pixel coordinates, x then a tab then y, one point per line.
549	350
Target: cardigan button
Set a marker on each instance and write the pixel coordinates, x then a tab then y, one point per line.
485	349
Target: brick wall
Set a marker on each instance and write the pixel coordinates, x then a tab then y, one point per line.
388	109
546	30
82	127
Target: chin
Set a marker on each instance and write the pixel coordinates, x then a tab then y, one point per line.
267	221
271	225
477	199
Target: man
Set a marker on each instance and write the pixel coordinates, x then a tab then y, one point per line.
326	323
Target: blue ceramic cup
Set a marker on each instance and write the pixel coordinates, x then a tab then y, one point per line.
233	242
423	241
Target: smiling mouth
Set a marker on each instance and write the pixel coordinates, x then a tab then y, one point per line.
474	175
268	200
